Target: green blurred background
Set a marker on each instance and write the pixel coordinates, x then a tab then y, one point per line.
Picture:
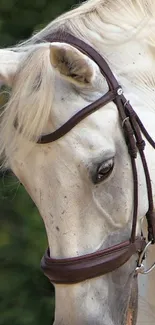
26	296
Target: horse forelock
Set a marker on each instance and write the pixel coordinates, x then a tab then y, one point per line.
30	102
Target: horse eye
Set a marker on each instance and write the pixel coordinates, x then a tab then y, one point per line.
104	170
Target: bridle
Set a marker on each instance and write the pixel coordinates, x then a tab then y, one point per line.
77	269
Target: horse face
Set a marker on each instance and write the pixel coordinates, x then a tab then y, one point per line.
82	183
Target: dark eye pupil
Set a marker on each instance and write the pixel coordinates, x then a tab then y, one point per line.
104	170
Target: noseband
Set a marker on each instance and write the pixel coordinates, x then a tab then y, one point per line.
77	269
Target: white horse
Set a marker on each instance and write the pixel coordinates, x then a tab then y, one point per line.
50	83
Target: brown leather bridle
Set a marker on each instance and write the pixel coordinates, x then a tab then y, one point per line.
77	269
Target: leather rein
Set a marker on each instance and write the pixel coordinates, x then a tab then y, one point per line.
77	269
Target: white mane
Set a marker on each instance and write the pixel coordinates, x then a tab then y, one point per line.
99	22
107	21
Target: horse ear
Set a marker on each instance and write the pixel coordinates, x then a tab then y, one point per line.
9	62
72	64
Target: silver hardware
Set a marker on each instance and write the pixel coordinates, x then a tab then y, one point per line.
119	91
123	122
140	268
126	103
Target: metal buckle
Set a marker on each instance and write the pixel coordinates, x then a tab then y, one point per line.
120	91
141	268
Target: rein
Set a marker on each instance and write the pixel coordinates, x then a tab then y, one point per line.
77	269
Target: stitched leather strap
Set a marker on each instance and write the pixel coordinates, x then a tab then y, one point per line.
81	115
77	269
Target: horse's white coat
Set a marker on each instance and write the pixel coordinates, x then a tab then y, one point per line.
81	217
146	313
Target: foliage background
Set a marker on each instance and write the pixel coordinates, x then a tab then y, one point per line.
26	296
